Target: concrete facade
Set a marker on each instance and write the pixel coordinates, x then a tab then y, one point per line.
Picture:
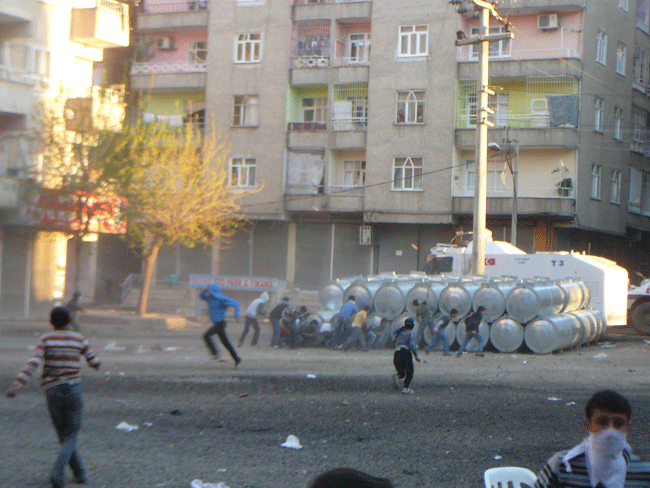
341	114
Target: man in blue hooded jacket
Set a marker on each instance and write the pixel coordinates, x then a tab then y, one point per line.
217	305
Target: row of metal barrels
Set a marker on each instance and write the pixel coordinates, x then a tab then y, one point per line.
547	315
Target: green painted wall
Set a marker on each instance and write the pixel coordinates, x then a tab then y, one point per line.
295	96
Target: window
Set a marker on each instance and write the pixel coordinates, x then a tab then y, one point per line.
540	116
638	135
615	194
499	104
595	181
359	48
634	198
354	173
623	5
314	109
496	49
496	176
413	40
242	172
601	48
410	107
640	67
621	52
248	48
197	52
618	123
599	108
407	174
245	110
350	107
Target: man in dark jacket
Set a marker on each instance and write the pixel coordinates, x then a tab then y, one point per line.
471	329
276	320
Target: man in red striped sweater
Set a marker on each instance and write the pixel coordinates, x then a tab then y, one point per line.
61	351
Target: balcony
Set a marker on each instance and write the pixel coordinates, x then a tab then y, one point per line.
100	23
154	17
17	89
532	201
334	199
538	137
339	9
164	76
96	108
10	193
16	18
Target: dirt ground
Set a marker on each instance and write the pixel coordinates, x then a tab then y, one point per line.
467	414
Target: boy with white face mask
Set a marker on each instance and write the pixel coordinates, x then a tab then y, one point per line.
603	459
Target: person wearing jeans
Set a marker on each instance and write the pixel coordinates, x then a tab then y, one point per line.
217	305
60	352
471	328
439	333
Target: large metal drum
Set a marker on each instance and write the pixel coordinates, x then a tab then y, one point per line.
506	334
529	299
483	330
389	300
552	333
458	295
330	297
325	315
396	324
600	320
363	291
589	325
420	290
449	331
492	297
574	295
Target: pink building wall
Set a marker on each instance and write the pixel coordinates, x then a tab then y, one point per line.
180	44
533	43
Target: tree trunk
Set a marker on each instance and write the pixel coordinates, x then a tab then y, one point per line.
149	262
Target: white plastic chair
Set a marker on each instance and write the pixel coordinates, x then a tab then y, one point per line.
502	477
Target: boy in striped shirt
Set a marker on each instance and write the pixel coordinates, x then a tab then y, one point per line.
60	352
603	459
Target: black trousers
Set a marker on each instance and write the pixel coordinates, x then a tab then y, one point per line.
256	331
219	328
403	361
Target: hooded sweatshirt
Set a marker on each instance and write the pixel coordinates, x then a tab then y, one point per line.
257	306
218	303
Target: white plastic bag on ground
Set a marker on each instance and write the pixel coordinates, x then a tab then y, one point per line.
292	442
126	427
201	484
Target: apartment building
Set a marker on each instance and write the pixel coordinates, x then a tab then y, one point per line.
46	47
354	122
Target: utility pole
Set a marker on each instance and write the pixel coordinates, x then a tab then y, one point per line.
484	9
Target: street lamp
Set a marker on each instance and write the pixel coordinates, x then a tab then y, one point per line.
513	172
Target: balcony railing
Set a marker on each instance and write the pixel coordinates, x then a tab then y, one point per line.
352	61
167	68
176	7
307	126
553	191
466	54
8	73
350	124
522	121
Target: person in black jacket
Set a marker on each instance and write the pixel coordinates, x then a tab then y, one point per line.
276	320
471	328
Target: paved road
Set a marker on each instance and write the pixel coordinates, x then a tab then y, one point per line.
467	415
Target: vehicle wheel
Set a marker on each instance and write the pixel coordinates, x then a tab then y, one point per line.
640	317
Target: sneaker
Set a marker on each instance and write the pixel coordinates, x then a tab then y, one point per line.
480	354
407	391
237	361
459	354
396	384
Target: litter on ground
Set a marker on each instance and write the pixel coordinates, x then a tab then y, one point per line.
292	442
126	427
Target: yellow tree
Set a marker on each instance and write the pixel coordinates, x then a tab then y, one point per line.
177	189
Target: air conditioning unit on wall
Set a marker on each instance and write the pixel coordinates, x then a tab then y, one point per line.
547	21
164	43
